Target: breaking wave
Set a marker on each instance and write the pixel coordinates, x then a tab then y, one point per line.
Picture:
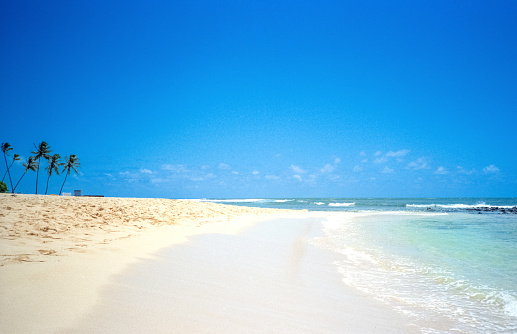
341	204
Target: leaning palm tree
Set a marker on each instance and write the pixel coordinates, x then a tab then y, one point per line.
6	147
72	163
16	157
29	165
42	150
53	165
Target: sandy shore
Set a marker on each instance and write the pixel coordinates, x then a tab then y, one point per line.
269	278
57	252
114	265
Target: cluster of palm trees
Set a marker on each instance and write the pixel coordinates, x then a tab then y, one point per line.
33	164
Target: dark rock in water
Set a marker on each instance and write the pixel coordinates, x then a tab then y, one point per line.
494	209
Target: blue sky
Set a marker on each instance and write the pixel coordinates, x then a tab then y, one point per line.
194	99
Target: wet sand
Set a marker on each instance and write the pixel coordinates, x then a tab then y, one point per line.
267	279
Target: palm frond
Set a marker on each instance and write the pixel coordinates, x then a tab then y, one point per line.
30	164
53	164
42	150
6	147
71	163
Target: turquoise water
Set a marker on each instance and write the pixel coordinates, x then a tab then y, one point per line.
452	272
449	264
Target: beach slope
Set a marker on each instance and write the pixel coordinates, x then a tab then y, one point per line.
56	253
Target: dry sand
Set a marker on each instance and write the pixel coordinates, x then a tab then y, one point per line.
57	252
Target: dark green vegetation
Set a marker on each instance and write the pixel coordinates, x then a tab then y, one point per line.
3	187
42	150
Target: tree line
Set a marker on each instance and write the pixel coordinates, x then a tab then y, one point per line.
42	150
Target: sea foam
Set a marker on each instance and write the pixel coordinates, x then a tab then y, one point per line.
341	204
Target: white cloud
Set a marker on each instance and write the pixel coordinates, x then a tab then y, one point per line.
383	159
224	166
337	161
328	168
380	160
203	177
146	171
364	161
272	177
128	176
387	170
492	169
298	169
441	171
312	178
362	154
464	171
420	163
357	169
255	172
397	154
297	177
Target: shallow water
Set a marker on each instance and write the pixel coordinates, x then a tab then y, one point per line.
449	272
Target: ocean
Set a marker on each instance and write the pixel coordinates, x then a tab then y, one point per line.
450	264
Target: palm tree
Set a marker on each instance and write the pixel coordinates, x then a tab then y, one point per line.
42	150
53	165
29	165
72	163
16	157
6	147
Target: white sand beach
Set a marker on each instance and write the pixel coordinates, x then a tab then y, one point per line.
111	265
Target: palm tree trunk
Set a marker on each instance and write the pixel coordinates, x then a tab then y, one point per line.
19	181
60	191
47	185
5	158
12	163
37	176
